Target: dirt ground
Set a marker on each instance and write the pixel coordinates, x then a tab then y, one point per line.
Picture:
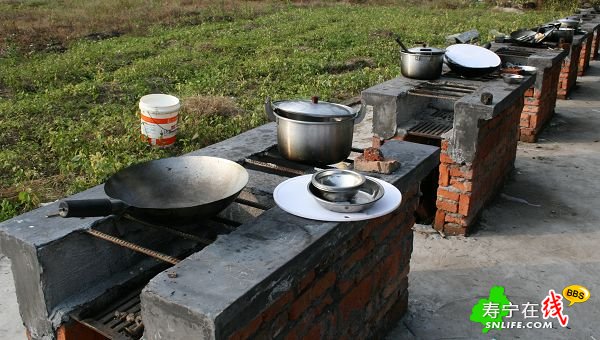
541	233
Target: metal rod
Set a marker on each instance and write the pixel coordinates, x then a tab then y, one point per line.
252	204
434	95
273	166
133	246
176	232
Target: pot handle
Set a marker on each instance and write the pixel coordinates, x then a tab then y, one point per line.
361	113
90	208
269	110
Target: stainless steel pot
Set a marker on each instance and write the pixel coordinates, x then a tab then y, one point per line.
569	22
314	132
422	62
566	34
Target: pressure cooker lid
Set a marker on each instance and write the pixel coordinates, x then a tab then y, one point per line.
312	109
426	50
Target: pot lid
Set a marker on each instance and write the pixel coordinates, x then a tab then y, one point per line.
312	109
472	56
426	50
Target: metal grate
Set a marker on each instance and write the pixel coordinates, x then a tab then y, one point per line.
433	125
514	52
442	90
487	77
119	321
429	129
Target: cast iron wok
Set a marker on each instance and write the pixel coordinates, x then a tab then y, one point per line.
171	191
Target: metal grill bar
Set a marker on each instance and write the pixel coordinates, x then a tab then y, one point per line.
251	204
273	166
429	129
443	90
445	115
133	246
110	321
512	52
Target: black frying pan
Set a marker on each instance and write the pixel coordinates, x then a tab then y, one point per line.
171	191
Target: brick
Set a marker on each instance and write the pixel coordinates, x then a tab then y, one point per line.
305	300
464	204
444	145
534	121
532	101
391	226
314	332
464	187
248	330
440	216
443	193
382	167
327	300
396	283
344	285
524	121
356	299
277	307
456	219
447	206
306	280
359	254
444	175
445	158
300	305
462	172
324	283
454	229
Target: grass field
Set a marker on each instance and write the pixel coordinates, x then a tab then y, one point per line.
69	117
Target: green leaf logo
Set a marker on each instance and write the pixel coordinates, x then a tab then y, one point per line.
490	311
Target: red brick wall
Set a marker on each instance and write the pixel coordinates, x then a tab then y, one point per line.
568	72
595	45
539	105
358	291
584	57
464	189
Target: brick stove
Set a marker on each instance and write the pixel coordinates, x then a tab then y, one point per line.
252	271
540	99
478	141
586	50
568	74
596	40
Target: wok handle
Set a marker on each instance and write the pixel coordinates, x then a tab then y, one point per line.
90	208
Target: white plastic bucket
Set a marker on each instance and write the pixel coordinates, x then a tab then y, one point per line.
159	114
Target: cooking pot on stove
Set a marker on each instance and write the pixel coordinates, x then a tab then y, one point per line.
566	34
313	131
570	22
421	62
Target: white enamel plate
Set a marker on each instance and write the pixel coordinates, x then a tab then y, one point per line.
293	197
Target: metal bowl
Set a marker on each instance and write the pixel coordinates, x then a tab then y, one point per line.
337	185
528	69
365	197
512	78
